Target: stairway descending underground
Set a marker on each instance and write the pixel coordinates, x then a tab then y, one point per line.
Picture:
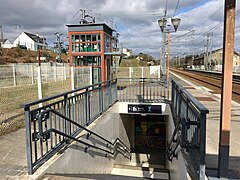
140	167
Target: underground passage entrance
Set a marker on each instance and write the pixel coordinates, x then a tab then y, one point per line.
147	134
150	133
150	139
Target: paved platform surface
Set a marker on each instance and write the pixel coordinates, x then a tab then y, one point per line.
212	102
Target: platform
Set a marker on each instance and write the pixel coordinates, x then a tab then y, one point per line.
212	102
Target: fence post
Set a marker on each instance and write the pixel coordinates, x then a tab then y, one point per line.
32	73
55	75
72	78
14	76
39	83
130	73
65	74
159	71
90	75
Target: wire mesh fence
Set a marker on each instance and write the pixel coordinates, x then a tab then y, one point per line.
19	84
138	72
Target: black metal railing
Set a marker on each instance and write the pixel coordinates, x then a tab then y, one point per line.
143	89
192	124
174	143
81	106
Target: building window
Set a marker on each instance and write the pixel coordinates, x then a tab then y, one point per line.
107	43
86	43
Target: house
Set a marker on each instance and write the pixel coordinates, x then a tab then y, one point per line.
31	41
217	57
128	52
5	43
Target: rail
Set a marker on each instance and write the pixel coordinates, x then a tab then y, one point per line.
174	142
82	106
192	115
143	89
45	115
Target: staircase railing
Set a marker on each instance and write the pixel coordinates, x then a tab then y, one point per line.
143	89
81	106
174	143
192	127
46	134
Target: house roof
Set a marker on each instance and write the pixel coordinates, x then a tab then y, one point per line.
36	38
3	40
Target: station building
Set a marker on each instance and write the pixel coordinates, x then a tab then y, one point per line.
90	45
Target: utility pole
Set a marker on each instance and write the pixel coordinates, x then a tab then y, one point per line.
207	54
205	57
210	49
18	27
58	45
163	64
168	62
226	94
1	27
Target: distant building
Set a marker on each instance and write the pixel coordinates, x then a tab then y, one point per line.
217	57
5	43
31	41
128	52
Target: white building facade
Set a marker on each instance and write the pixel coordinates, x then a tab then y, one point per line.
31	41
5	43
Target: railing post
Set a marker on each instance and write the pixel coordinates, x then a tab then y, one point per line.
173	94
110	94
100	98
66	128
87	105
184	130
143	90
28	140
202	145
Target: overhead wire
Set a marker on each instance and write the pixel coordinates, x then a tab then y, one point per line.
176	8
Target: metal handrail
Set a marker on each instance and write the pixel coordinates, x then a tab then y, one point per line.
26	105
41	117
193	127
171	152
47	132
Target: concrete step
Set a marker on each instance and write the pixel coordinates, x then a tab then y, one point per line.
88	177
140	172
153	160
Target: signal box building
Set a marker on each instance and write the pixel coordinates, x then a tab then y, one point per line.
90	45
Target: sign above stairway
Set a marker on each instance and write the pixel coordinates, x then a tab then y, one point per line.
136	108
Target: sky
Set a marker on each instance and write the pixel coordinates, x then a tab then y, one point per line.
135	21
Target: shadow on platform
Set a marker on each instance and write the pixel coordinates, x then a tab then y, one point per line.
212	167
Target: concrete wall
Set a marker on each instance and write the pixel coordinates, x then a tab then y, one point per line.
75	161
177	167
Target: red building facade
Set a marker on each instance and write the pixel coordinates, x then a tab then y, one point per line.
90	46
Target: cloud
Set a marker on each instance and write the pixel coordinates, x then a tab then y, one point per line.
135	20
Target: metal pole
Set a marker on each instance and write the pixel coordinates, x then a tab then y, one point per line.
226	95
168	63
164	53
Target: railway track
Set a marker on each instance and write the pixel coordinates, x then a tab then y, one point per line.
211	81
